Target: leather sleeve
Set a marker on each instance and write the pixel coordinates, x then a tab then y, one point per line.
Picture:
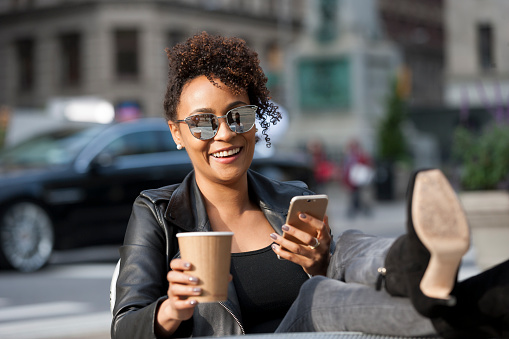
142	283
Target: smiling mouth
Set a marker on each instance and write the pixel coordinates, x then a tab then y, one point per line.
224	154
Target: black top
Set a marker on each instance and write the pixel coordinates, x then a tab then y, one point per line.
266	288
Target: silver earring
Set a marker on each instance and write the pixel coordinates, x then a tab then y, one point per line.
179	147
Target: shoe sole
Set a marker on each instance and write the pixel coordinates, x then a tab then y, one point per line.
441	225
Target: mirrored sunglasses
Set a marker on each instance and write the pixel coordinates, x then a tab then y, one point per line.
204	126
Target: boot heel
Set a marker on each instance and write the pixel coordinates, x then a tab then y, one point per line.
440	223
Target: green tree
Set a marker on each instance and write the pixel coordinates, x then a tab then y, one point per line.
391	143
483	157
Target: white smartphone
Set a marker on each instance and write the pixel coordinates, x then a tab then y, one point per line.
314	205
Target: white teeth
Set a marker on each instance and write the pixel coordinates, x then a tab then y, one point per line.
223	154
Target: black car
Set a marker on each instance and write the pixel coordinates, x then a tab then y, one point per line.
75	186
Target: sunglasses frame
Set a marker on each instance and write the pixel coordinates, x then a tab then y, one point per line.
188	121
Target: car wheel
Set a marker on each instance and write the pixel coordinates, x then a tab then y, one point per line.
26	237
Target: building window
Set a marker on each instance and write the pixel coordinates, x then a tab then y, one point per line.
25	58
71	59
324	83
485	46
126	55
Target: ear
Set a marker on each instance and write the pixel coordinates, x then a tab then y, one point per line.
175	132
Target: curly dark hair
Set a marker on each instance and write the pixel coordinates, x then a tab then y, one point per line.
227	59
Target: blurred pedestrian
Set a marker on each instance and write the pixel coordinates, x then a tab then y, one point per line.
324	169
357	175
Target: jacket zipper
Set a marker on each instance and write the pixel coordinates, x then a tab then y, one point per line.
234	317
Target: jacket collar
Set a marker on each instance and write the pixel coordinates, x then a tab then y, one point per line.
186	208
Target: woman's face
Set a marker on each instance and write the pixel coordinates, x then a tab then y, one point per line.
209	157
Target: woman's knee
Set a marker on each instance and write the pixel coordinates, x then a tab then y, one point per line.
318	290
310	286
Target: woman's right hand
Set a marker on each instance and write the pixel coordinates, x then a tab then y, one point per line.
180	305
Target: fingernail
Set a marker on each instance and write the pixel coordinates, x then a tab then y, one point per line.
197	290
187	265
274	247
192	302
285	228
273	236
302	216
193	279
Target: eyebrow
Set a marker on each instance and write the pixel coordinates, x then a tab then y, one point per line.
210	110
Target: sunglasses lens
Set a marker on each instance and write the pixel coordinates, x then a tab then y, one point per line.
203	126
241	119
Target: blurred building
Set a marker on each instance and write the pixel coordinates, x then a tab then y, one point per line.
330	63
115	49
342	67
476	71
477	58
418	29
339	73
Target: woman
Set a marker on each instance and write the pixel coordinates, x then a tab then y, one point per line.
239	126
221	194
211	79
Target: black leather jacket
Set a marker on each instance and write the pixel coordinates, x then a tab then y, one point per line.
150	244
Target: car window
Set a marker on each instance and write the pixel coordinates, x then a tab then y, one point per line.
133	143
166	142
141	143
52	148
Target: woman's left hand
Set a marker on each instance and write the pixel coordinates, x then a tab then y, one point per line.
313	254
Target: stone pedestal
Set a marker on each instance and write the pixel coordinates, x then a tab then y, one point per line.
488	216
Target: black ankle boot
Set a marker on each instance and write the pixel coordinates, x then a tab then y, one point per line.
408	258
405	265
402	260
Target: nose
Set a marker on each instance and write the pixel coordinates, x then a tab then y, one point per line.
224	132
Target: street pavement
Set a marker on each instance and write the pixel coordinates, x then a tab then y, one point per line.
59	301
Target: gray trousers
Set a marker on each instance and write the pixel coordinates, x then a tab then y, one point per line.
347	299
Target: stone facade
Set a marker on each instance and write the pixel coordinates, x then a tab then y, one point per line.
477	53
42	24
